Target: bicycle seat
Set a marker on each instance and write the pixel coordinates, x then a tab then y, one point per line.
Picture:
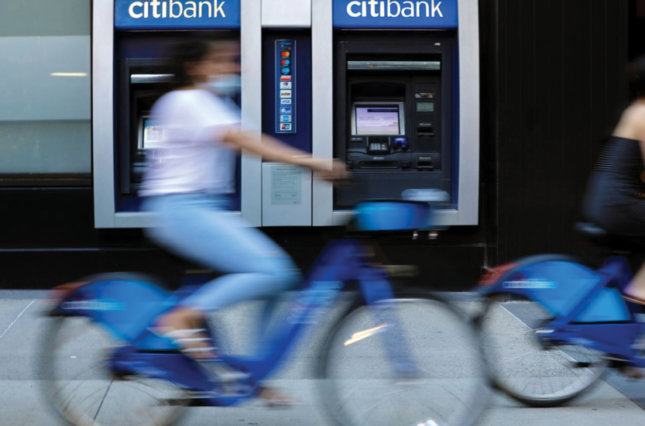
393	215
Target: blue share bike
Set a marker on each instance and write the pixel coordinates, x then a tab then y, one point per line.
388	359
551	326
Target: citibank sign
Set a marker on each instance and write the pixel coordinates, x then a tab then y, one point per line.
395	13
176	14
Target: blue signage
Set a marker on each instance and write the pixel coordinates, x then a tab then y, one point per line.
395	13
176	14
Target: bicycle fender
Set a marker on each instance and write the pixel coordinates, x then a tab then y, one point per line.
500	278
559	284
124	303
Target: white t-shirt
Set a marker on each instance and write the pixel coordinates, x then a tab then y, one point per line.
190	157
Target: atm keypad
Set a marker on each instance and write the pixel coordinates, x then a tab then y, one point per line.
378	147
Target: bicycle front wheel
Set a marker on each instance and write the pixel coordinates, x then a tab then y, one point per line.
78	385
441	381
526	369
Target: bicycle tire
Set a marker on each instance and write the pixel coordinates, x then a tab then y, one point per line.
525	369
356	380
78	385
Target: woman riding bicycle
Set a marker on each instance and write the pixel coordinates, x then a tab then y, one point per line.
188	183
615	198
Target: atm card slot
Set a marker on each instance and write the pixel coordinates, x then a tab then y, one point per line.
378	165
425	130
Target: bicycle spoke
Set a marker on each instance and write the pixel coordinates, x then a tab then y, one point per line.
363	381
85	393
522	367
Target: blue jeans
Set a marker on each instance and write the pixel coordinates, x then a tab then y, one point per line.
199	228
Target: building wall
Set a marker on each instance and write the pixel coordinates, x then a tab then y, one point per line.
557	85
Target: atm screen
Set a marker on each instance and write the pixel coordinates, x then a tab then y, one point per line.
377	119
151	134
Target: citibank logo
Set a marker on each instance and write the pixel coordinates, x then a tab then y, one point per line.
173	9
395	9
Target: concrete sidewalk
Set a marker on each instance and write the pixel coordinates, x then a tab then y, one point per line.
21	402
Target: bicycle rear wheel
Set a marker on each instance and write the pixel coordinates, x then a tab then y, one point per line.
77	383
524	368
358	381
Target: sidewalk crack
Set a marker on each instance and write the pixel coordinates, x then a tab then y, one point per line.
16	319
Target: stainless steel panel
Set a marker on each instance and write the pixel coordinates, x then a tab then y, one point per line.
322	105
469	98
286	13
251	56
102	112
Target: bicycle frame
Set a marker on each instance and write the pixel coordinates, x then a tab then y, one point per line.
127	307
591	313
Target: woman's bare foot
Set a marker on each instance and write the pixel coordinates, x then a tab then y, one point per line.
635	291
634	294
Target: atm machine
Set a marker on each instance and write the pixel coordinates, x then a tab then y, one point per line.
401	104
393	114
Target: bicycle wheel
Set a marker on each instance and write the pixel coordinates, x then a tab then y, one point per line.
357	370
78	385
524	368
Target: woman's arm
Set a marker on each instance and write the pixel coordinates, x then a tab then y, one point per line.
632	125
272	149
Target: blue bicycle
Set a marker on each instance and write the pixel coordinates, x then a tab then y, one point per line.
551	326
388	359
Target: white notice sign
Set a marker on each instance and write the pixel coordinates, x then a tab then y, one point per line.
285	185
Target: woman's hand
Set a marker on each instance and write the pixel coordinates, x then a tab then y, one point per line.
330	170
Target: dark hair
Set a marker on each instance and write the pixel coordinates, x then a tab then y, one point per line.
183	53
636	73
193	50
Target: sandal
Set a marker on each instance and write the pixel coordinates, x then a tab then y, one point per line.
632	372
194	342
274	399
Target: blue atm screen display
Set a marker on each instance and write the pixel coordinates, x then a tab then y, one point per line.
372	120
176	14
